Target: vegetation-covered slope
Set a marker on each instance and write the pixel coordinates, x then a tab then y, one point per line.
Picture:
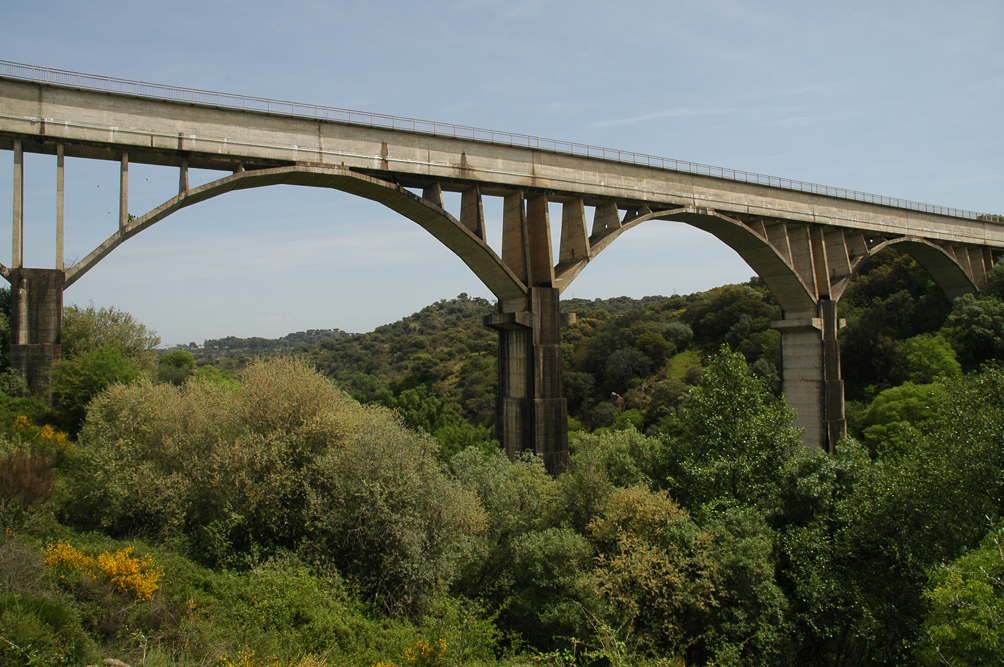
195	517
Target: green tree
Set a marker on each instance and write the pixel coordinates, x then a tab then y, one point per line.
732	438
176	367
964	625
653	570
78	380
924	359
892	420
975	328
87	329
623	366
386	515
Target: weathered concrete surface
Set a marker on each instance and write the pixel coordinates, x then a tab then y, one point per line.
103	126
37	315
531	412
810	373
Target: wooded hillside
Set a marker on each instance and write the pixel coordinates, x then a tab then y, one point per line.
343	502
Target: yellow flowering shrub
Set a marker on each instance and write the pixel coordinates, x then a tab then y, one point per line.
246	658
130	574
422	654
126	572
64	559
45	435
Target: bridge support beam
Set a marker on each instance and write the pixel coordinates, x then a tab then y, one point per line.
36	319
810	373
530	411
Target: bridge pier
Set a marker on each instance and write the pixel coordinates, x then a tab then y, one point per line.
810	373
530	411
36	319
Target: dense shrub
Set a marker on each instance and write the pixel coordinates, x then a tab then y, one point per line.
386	514
78	380
284	460
87	329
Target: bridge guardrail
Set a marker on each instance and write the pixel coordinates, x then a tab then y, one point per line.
71	79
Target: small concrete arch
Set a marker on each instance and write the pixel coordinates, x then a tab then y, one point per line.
781	278
471	249
943	267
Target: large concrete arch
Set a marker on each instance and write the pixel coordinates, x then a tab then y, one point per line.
781	278
944	268
473	250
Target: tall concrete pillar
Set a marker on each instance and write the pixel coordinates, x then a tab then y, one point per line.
36	319
810	373
530	411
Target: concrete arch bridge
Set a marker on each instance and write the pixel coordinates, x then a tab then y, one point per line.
804	240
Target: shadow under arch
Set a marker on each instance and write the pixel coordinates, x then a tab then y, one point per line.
944	269
474	252
783	281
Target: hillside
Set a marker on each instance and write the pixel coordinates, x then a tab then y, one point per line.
267	519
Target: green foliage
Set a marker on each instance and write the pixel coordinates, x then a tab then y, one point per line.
858	536
975	328
524	565
176	367
653	569
924	359
332	530
444	347
602	463
964	624
891	421
389	518
33	407
216	376
86	330
279	608
39	632
624	365
891	299
227	467
79	379
748	625
732	438
993	282
730	314
419	410
455	438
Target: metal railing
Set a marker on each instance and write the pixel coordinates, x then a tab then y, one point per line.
108	84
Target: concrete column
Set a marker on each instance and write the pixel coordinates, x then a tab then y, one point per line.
472	212
531	412
59	207
124	192
37	305
183	177
833	385
810	373
17	250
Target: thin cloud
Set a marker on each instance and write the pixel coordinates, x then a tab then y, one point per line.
667	113
988	178
798	121
995	82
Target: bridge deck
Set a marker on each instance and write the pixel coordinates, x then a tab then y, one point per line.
102	125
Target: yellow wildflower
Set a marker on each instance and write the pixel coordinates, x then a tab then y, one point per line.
64	559
126	572
130	574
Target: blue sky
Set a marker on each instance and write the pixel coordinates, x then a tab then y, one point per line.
896	98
